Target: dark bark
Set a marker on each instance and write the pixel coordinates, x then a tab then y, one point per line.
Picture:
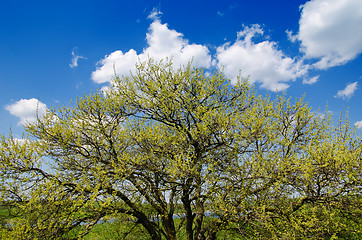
188	210
169	226
151	228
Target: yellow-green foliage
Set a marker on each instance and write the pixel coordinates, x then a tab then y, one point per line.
182	154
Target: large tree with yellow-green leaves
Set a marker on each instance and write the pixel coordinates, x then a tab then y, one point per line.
182	154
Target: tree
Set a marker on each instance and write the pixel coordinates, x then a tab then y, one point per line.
184	154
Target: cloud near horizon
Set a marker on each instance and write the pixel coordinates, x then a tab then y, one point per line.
27	110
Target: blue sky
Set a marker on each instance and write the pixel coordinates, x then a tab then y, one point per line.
54	51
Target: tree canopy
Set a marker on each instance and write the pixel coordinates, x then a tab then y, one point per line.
181	153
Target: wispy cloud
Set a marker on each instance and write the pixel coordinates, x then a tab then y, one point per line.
75	58
233	6
348	91
311	81
27	110
221	14
155	14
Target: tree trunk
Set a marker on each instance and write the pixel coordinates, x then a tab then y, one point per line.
155	235
188	211
169	226
200	210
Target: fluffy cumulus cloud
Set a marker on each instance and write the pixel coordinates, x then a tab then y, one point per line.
162	43
330	34
262	61
330	31
27	110
348	91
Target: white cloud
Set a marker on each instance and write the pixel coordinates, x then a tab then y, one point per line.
105	89
348	91
290	35
20	141
221	14
162	43
155	14
75	58
263	61
330	31
311	80
358	124
27	110
116	62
